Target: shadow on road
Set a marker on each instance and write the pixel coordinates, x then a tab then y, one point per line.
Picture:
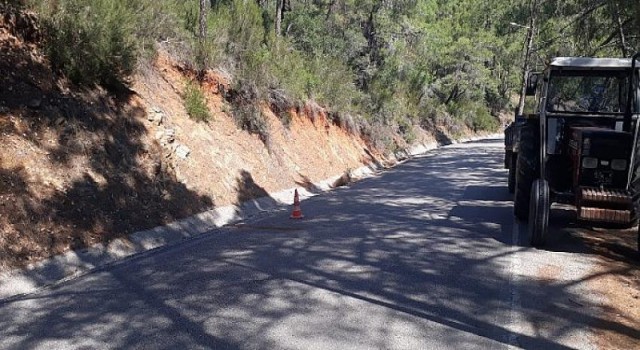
390	259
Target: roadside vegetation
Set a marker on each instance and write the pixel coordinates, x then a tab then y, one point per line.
195	102
376	66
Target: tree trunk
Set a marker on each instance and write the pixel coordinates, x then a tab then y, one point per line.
330	8
202	32
280	8
620	27
201	52
528	48
369	31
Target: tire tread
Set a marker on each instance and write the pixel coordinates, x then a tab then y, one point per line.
527	168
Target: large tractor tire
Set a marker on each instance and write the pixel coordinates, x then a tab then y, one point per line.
527	169
512	172
539	212
635	187
638	244
507	159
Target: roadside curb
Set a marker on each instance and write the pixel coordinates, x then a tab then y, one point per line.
73	264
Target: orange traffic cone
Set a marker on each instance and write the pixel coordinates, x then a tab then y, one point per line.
297	213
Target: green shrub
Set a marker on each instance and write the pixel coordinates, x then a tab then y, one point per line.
246	110
195	103
334	86
91	41
281	106
474	114
405	128
235	34
244	44
430	114
250	118
159	21
100	41
484	121
378	136
480	119
346	121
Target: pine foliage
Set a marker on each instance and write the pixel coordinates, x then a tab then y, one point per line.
382	63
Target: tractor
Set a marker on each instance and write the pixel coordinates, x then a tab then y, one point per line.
580	147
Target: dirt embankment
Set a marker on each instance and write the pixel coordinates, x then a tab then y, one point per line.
78	167
230	165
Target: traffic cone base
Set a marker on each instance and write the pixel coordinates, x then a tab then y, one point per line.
297	212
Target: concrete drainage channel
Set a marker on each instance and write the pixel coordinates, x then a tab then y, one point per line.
73	264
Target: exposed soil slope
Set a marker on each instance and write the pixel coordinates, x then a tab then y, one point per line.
76	167
230	165
79	167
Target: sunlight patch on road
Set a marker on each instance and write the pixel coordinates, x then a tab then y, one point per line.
426	200
475	146
432	216
344	266
486	204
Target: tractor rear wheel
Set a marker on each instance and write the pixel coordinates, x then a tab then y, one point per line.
539	212
507	159
527	169
512	172
635	188
638	242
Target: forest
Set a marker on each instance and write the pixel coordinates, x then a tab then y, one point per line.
377	66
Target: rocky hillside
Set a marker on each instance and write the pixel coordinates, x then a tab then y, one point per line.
81	166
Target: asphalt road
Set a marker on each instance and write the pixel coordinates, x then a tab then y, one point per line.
424	256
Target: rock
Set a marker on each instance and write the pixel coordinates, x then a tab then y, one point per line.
159	118
401	155
169	135
156	115
182	151
166	136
